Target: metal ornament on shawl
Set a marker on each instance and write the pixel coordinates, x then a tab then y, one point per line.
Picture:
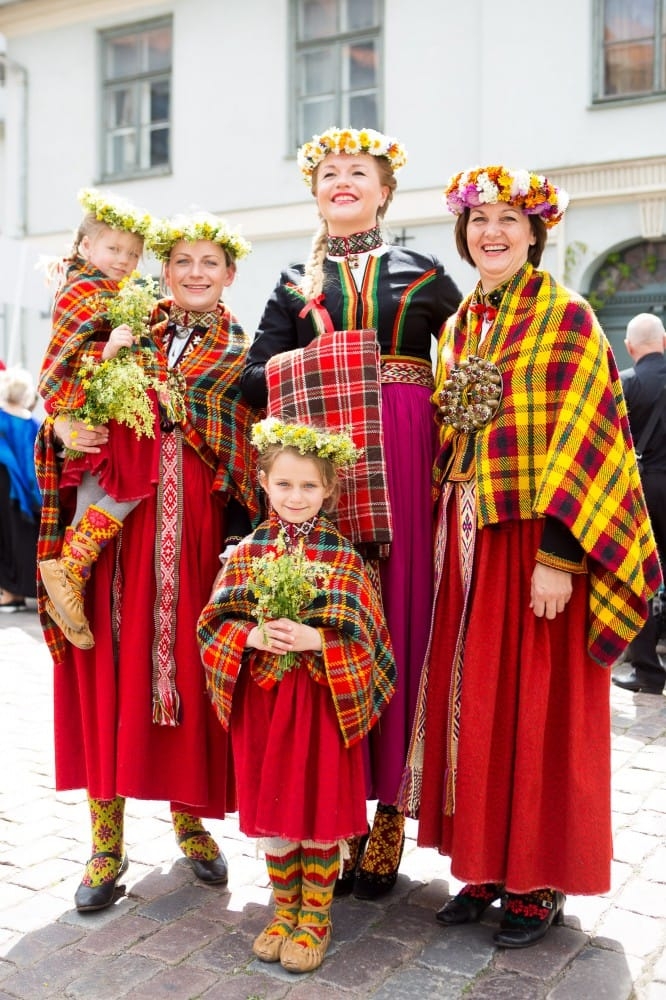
471	394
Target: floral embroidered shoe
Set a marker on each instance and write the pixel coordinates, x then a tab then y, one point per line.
528	916
470	904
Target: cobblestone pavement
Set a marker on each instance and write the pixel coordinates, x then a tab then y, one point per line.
172	937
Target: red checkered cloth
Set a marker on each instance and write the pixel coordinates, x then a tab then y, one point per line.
335	383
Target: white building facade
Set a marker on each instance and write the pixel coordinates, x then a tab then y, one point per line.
203	103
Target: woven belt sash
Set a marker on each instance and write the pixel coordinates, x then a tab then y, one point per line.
412	370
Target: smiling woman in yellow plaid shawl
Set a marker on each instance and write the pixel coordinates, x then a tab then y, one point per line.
545	561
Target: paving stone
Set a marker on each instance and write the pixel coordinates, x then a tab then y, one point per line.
507	986
595	973
181	983
423	983
118	977
175	941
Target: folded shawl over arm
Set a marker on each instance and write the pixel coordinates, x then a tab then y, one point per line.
560	445
357	657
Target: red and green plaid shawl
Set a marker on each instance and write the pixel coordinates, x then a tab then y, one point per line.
560	444
78	327
218	421
334	382
358	663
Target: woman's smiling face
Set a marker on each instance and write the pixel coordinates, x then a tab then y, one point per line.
499	237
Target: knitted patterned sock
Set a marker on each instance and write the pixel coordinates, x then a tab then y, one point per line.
284	870
193	840
107	822
320	865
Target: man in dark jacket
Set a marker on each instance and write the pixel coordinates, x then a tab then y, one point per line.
644	386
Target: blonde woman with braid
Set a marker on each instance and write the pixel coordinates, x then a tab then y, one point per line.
355	279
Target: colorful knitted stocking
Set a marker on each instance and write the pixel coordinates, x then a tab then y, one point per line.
84	543
193	840
284	870
107	822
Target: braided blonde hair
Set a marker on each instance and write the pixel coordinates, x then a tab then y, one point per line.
313	278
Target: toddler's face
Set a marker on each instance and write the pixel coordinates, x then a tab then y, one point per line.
113	252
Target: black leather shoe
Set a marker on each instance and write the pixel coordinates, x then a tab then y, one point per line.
527	917
88	898
632	683
470	904
215	872
345	884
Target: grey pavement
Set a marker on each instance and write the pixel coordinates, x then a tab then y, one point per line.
172	937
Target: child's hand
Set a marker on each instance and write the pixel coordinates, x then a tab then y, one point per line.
285	636
122	336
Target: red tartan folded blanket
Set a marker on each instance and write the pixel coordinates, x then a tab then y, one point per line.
334	382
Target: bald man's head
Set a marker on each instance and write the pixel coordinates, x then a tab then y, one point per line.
645	335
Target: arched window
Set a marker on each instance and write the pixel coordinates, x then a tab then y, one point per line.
629	281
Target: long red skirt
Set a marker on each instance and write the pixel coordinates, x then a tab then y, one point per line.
105	739
532	793
296	779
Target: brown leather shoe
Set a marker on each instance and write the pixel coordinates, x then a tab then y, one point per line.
65	592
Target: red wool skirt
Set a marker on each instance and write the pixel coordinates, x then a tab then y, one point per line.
532	792
294	775
126	467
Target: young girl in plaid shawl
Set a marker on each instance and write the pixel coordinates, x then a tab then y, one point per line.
355	279
131	715
297	732
110	482
545	561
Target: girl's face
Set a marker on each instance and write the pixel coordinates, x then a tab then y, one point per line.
114	252
295	487
499	238
197	274
349	192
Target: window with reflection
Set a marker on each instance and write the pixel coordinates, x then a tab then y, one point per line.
633	44
337	62
136	98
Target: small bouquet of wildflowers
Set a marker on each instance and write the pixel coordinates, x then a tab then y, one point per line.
133	303
117	389
285	582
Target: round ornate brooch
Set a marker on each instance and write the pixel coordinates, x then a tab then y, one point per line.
471	394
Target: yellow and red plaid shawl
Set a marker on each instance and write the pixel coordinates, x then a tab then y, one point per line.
358	663
560	444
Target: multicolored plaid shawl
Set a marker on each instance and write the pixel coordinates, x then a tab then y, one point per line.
560	444
357	661
218	419
78	326
217	425
334	382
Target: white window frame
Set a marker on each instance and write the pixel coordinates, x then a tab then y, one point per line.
341	93
141	128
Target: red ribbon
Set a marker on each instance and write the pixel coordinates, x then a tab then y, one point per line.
318	303
484	311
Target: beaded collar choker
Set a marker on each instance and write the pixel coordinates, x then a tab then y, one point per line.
352	246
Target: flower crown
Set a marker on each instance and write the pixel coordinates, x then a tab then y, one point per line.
351	141
114	211
337	446
165	233
532	193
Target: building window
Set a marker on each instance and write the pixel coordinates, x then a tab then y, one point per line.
633	48
136	96
337	63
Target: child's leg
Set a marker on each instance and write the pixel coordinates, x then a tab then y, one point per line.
98	519
283	861
305	949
